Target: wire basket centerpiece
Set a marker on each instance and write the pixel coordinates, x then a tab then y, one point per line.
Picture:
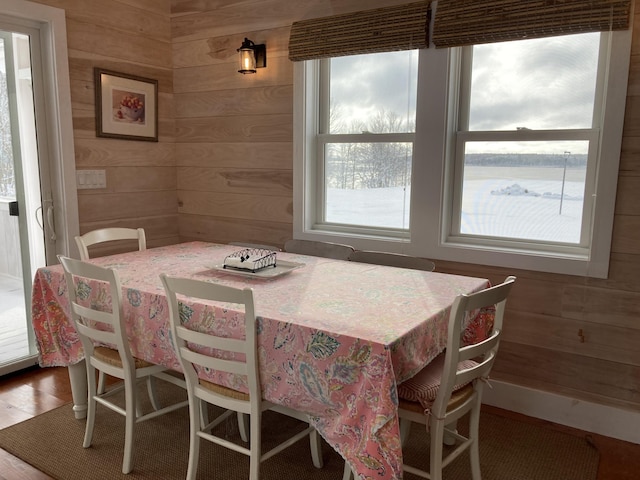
251	259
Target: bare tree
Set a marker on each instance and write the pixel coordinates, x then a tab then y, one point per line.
336	124
370	164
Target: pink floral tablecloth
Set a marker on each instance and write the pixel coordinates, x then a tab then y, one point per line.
335	337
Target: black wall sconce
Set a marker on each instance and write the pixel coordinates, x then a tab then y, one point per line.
252	56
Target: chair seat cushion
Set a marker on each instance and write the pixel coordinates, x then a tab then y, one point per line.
424	386
222	390
112	357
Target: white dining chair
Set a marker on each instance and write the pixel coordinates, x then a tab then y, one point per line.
98	325
103	235
190	343
392	260
451	385
108	235
315	248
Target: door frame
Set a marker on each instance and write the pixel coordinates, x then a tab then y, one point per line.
53	113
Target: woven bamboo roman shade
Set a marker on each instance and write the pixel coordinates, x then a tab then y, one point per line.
402	27
470	22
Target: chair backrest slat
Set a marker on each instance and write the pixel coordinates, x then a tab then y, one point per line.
103	317
262	246
211	341
473	351
98	336
392	260
481	370
213	363
107	235
337	251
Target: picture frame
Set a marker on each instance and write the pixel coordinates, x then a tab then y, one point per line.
126	106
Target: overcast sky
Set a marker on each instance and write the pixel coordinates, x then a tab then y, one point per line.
535	84
357	85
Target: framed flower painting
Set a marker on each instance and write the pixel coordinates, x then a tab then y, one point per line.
126	106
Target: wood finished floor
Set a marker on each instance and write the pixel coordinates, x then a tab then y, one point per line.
26	394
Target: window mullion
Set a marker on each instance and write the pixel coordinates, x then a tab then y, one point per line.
320	214
324	95
464	98
528	135
367	138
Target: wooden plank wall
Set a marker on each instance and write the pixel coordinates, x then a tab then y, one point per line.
564	334
133	37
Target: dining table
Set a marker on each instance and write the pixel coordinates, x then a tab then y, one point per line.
335	337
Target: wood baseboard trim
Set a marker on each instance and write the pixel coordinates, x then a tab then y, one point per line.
588	416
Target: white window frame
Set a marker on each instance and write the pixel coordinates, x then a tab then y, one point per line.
433	182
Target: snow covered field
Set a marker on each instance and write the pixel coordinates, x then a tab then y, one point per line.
506	202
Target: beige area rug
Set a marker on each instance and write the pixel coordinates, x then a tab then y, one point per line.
52	442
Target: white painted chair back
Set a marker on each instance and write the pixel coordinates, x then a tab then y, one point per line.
99	325
336	251
87	319
262	246
483	353
392	260
448	406
107	235
187	342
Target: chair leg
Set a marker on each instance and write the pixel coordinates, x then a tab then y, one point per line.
204	413
315	441
255	446
450	440
139	411
405	430
130	421
435	465
198	419
91	407
101	382
347	472
151	389
243	426
474	450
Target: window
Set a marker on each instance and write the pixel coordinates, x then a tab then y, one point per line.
527	140
487	154
366	135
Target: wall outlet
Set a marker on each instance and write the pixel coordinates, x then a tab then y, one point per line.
91	179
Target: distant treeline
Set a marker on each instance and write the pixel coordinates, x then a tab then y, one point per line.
525	160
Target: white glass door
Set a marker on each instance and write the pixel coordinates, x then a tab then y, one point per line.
22	223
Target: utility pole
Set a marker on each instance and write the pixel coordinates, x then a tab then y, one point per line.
564	176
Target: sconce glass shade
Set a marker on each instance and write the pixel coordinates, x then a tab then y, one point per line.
247	58
252	56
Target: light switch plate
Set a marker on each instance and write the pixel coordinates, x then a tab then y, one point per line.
91	179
